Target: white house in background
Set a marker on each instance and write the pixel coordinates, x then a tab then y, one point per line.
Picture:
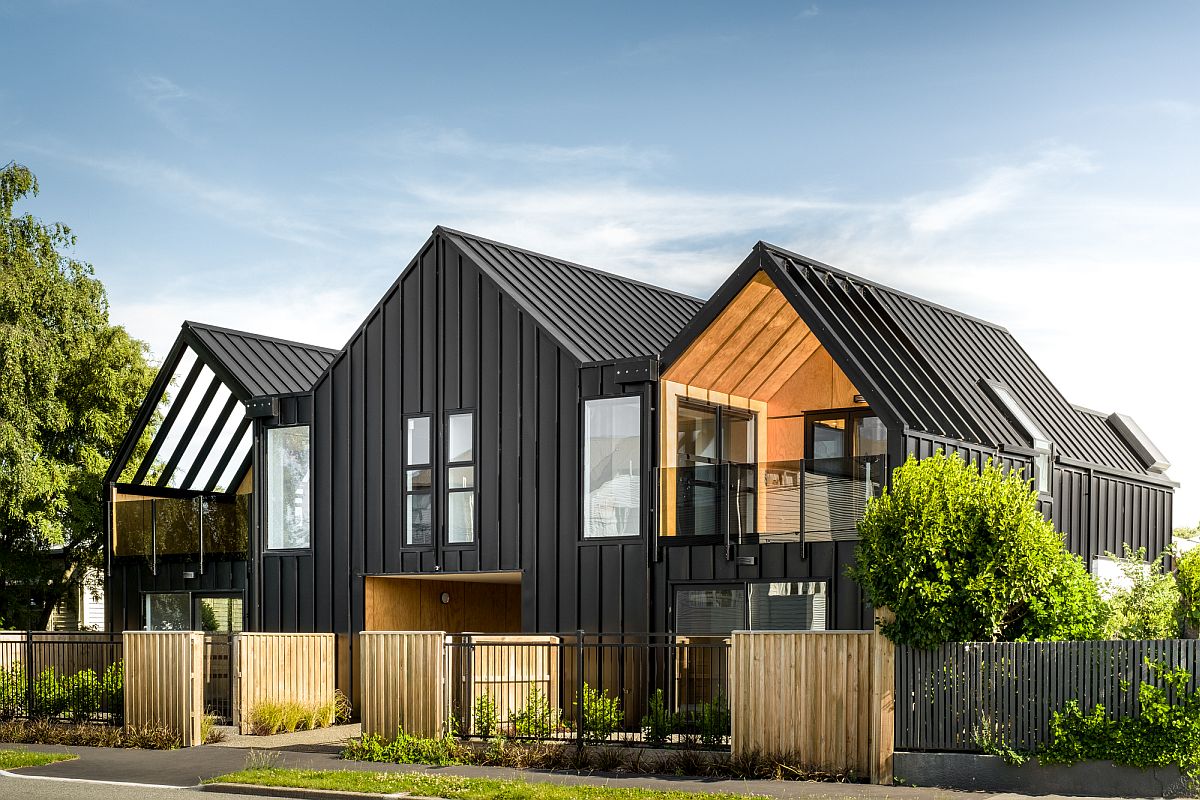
83	609
1184	545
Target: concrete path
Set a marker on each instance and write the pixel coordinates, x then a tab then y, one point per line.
187	767
335	735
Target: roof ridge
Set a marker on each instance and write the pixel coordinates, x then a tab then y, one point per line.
841	273
573	264
260	336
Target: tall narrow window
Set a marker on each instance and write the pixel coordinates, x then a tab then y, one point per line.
460	478
418	483
287	488
612	452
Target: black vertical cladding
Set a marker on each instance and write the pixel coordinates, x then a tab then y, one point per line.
284	597
447	337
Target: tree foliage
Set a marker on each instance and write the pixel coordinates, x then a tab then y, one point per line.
1144	603
1187	579
960	554
70	385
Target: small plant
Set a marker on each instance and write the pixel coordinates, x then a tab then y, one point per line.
262	759
407	749
292	715
712	721
266	719
269	717
601	714
483	716
537	719
659	723
991	742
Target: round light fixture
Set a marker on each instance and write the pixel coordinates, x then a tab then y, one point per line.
445	597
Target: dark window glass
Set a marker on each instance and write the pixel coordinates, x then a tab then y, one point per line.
420	519
227	525
176	527
697	434
169	611
132	520
790	606
710	612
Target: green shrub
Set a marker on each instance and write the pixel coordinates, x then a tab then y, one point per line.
963	554
536	719
79	696
484	717
712	721
601	714
407	749
1146	604
659	723
1187	579
1166	732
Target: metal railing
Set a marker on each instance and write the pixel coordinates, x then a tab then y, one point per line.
658	690
800	500
77	677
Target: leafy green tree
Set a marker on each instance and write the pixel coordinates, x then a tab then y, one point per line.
960	554
70	385
1187	579
1144	604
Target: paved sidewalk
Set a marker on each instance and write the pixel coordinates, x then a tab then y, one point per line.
335	735
189	766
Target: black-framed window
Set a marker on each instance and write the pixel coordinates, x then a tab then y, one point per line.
716	474
418	481
612	458
460	477
718	610
289	503
213	612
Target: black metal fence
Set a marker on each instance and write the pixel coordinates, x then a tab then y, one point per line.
218	676
76	677
957	696
656	690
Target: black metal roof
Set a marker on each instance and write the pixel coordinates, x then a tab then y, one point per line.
596	315
259	366
922	365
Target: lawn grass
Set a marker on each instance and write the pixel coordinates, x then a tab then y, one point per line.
450	786
12	759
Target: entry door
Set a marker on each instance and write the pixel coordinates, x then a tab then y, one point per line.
716	477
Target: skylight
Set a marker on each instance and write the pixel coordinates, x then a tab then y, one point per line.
1016	412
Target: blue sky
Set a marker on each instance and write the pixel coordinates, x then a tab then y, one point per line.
273	166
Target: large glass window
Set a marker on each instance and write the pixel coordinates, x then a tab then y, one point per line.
288	504
761	606
219	614
418	483
169	611
710	612
612	467
460	478
793	606
716	473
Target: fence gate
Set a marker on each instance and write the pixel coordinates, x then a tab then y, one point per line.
825	697
218	677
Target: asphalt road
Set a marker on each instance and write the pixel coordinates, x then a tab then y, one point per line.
59	789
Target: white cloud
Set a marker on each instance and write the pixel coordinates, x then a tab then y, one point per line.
995	191
170	105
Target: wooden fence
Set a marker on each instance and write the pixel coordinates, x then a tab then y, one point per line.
403	683
949	697
164	682
824	697
281	668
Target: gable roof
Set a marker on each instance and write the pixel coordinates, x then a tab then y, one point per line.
596	315
922	365
204	431
257	365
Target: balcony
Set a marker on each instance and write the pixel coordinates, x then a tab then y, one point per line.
805	500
